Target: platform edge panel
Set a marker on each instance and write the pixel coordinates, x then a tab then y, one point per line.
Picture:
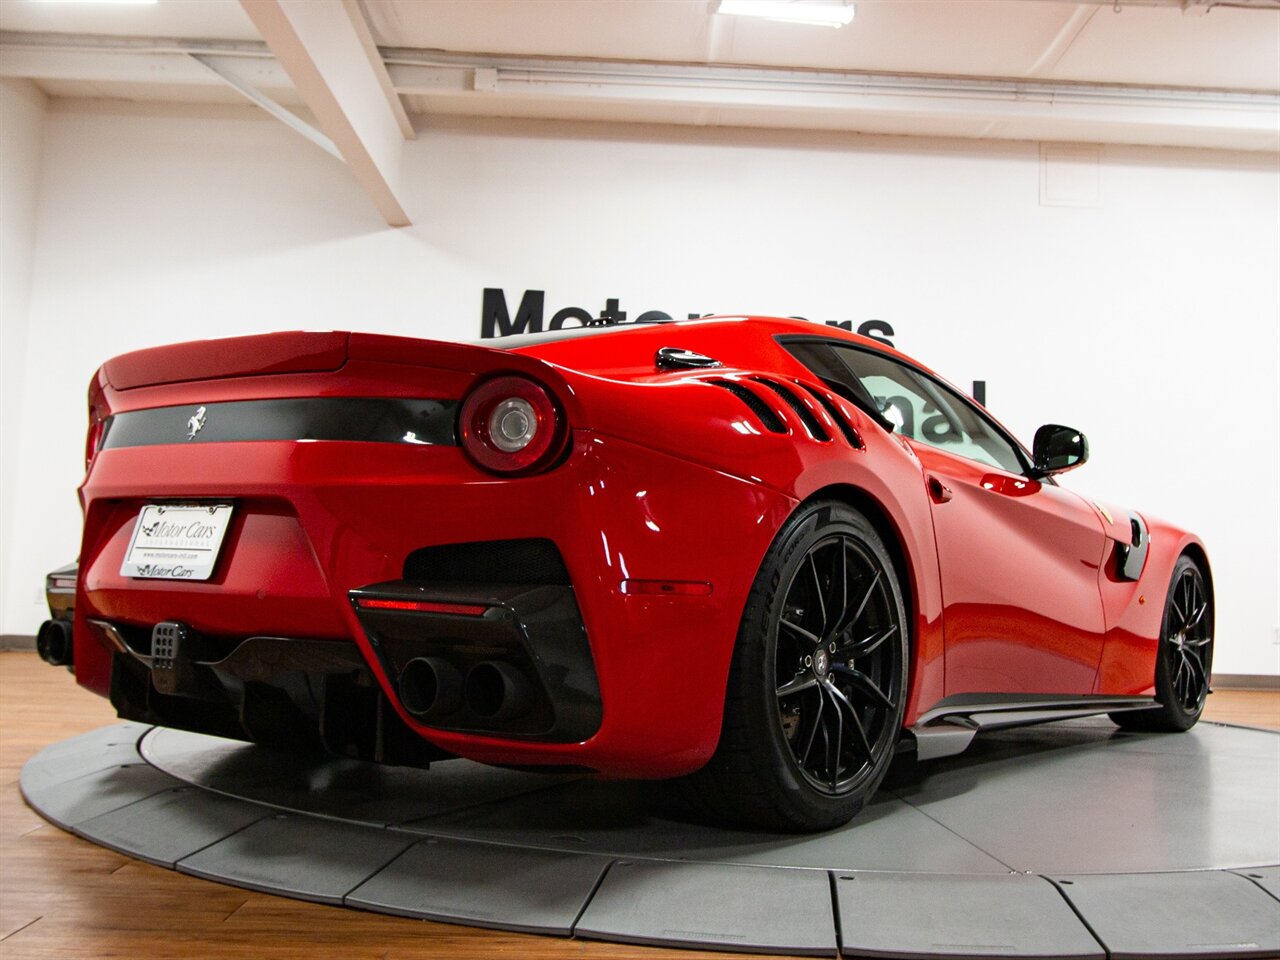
113	746
68	803
1190	913
1266	877
908	915
171	825
535	891
310	858
720	905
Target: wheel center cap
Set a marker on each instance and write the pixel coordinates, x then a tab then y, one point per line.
821	662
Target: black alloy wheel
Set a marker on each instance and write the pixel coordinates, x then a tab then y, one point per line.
838	673
818	684
1184	658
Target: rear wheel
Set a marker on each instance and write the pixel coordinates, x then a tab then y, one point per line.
817	687
1184	659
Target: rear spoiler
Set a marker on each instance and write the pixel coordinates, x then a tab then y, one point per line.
318	352
293	352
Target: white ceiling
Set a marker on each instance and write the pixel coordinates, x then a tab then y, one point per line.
1225	48
1045	47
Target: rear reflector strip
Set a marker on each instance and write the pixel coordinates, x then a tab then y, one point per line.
666	588
421	606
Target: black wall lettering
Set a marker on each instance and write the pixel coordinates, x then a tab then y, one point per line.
495	320
571	313
653	316
877	330
611	313
980	391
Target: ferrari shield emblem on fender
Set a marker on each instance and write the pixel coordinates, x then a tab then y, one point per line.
196	423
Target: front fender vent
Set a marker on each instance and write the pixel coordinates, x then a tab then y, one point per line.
772	422
816	429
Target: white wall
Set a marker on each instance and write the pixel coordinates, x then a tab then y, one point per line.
22	113
1149	318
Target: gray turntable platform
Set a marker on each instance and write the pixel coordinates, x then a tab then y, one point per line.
1068	840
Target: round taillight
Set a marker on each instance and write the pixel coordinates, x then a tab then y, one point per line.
511	425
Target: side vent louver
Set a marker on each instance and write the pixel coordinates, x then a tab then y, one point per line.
833	411
806	416
754	403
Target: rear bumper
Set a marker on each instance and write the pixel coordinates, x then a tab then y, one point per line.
315	521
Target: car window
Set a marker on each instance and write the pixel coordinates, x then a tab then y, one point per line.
925	410
917	406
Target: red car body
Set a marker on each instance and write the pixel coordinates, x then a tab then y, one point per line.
662	506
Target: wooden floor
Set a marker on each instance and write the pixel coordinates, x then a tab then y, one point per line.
64	897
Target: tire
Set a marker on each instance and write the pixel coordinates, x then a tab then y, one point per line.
1184	657
809	731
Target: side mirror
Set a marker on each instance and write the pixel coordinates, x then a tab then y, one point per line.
1057	449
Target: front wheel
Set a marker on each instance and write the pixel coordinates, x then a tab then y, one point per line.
817	686
1184	658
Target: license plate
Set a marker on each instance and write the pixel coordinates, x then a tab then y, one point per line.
176	541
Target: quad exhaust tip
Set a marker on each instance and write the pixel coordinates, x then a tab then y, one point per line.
497	691
54	643
430	687
492	690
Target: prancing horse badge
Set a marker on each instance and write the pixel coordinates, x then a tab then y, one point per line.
196	423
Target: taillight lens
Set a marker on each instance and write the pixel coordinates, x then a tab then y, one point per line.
511	425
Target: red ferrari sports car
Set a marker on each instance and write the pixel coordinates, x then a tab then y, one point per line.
758	557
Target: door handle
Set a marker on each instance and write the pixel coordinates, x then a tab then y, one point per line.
938	491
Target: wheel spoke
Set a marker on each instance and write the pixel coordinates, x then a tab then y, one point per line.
839	698
1197	615
868	646
800	631
826	746
844	576
1178	605
817	591
848	620
817	722
801	681
864	685
1194	666
834	769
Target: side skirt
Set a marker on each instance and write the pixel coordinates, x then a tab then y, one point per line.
951	724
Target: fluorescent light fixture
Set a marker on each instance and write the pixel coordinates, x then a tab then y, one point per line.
819	13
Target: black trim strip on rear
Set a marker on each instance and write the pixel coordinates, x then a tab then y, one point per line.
772	422
369	419
850	434
806	416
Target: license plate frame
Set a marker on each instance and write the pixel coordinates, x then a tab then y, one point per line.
177	541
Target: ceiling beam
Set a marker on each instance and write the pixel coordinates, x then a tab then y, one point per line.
327	57
256	96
